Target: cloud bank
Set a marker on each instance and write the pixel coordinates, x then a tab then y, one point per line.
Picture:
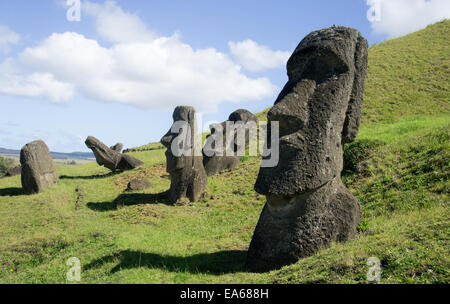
395	18
137	67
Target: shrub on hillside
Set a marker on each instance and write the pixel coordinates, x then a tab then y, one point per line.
5	164
356	152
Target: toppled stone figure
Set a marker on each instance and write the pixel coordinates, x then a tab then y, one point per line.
215	164
187	174
38	169
318	111
110	158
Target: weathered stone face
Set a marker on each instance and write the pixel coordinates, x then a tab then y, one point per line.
326	80
188	176
109	158
318	111
38	170
219	163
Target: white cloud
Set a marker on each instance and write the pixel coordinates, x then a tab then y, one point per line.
159	72
396	18
255	57
7	38
115	25
33	85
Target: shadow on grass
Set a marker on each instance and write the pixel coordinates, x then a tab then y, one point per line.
130	199
91	177
11	192
221	262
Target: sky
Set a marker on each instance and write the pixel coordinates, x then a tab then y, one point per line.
118	71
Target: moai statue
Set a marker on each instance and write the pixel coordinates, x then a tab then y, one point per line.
38	169
214	163
318	111
184	162
111	159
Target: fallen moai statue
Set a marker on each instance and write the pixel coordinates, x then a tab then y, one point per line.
110	158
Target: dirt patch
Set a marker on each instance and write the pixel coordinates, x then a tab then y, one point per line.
157	171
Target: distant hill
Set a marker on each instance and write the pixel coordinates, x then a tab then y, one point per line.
55	155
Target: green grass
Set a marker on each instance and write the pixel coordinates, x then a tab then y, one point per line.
5	164
398	168
408	76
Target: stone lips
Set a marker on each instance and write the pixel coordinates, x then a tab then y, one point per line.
318	111
38	169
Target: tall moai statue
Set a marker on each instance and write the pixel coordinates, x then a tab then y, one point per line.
184	158
215	164
318	111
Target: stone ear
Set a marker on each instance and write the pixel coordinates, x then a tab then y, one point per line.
353	115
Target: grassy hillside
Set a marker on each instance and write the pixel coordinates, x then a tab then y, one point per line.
398	168
409	76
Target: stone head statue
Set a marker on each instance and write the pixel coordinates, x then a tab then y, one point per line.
188	177
215	164
184	115
318	111
111	158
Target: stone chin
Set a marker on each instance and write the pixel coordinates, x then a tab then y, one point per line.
173	163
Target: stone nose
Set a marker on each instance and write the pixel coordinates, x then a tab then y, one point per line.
167	139
291	109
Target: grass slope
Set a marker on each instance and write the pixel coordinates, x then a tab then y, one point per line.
398	168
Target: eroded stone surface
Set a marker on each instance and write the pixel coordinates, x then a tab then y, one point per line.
117	147
318	112
110	158
188	176
38	169
216	164
138	184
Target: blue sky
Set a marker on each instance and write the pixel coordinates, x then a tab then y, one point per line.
118	73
